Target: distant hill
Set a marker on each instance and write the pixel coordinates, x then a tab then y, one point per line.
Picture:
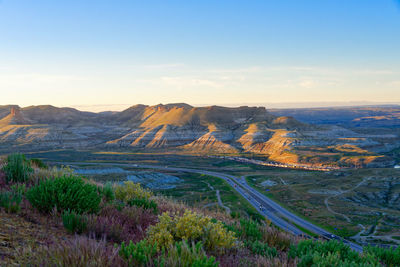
181	128
367	116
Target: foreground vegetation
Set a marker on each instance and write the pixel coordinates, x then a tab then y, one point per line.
90	224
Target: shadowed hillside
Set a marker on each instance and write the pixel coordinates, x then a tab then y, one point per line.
181	128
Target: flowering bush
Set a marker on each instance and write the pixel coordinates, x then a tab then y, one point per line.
130	190
193	228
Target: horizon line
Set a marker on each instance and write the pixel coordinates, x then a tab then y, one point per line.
98	108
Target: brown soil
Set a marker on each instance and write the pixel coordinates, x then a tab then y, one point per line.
18	231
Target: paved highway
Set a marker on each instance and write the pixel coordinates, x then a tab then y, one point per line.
267	207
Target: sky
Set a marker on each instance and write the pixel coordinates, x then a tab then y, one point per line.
108	55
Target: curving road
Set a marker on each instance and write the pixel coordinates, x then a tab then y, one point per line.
267	207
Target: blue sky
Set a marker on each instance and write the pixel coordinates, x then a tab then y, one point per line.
117	53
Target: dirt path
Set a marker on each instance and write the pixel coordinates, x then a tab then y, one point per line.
358	235
228	210
218	198
326	201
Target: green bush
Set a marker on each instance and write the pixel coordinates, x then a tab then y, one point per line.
18	189
262	249
247	230
10	201
74	223
235	214
65	192
144	203
255	216
18	168
139	254
181	254
108	192
330	253
390	257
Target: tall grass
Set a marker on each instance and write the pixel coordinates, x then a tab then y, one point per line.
10	201
17	168
74	223
183	254
81	251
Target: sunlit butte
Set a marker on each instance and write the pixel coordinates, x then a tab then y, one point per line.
200	133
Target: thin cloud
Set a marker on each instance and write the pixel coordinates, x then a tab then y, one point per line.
164	66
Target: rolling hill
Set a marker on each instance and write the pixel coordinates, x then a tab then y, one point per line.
181	128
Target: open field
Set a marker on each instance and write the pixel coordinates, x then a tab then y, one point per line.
363	204
362	201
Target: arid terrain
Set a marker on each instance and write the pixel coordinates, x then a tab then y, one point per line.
181	128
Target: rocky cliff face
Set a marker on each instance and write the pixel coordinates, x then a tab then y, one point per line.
183	128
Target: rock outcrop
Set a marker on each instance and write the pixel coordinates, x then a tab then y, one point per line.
183	128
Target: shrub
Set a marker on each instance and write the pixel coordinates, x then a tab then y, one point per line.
235	214
10	201
108	192
250	230
390	257
181	254
144	203
247	230
78	252
276	238
129	223
255	216
130	190
330	253
74	223
139	254
262	249
19	188
65	192
191	227
18	168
